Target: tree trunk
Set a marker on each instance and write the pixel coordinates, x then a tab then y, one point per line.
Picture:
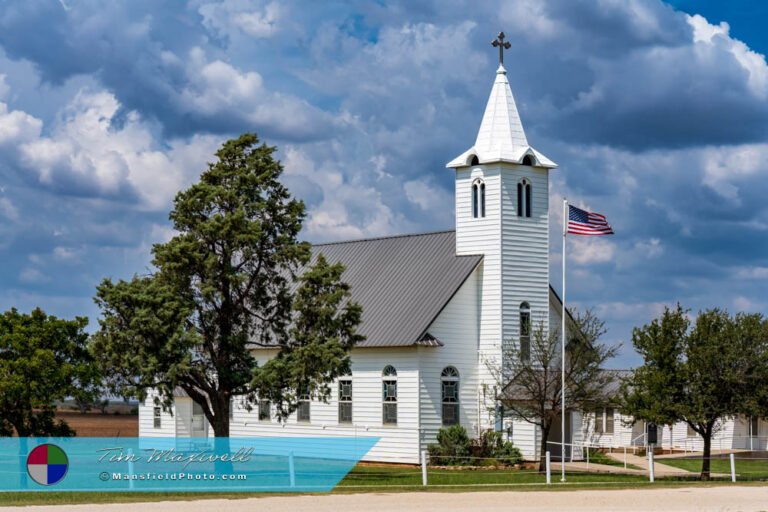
705	464
220	420
544	447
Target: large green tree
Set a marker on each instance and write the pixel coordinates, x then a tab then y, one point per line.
43	359
234	279
700	375
531	379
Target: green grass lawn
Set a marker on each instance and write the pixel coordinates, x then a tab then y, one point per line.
381	479
747	469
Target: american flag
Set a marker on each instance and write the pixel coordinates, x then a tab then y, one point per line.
581	222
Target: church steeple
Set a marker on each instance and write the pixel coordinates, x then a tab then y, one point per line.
501	137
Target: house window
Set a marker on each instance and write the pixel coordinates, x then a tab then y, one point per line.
690	432
302	414
449	380
389	396
265	410
525	331
198	417
231	408
158	420
604	421
478	199
524	198
345	401
754	426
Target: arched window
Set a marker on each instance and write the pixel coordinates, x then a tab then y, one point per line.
449	381
389	396
524	198
527	160
525	331
478	198
482	199
474	160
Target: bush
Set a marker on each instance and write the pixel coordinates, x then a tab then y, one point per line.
491	445
509	454
452	447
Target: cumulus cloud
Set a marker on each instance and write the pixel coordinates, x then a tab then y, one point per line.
658	119
17	126
96	150
255	19
342	208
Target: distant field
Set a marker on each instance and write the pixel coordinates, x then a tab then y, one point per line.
101	425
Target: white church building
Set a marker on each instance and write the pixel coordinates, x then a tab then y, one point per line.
436	308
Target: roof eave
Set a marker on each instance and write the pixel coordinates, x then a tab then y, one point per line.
465	159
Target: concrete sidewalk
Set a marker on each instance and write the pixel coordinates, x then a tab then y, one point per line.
659	469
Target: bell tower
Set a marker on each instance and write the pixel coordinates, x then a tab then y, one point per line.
502	212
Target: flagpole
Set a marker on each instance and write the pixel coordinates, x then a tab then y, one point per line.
562	347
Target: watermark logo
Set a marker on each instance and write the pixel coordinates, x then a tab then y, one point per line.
47	464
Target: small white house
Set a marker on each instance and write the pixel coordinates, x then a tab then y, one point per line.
610	429
436	307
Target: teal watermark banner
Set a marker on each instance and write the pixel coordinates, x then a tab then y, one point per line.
248	464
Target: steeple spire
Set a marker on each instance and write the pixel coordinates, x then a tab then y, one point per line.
501	137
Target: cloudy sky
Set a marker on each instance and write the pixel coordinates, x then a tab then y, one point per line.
656	113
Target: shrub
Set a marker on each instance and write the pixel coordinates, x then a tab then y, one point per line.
491	445
452	447
509	454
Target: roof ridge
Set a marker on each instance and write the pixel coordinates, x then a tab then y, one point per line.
386	237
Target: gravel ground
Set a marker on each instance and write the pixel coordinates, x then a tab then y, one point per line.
720	498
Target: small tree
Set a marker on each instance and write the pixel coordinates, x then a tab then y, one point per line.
701	375
225	285
531	384
43	359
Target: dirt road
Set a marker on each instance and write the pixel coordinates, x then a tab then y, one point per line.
721	499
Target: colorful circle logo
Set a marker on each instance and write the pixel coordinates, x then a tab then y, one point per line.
47	464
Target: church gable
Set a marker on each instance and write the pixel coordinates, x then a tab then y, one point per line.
402	283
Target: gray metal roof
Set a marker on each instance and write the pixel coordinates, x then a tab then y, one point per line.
402	283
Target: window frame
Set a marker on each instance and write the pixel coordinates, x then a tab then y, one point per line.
262	407
157	417
304	409
342	417
524	335
524	198
389	398
450	377
478	198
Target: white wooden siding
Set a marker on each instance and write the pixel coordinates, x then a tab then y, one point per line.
525	250
146	419
398	443
457	328
483	236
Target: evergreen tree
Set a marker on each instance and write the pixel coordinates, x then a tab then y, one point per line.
234	279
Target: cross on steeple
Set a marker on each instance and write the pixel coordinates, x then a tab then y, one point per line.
502	45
